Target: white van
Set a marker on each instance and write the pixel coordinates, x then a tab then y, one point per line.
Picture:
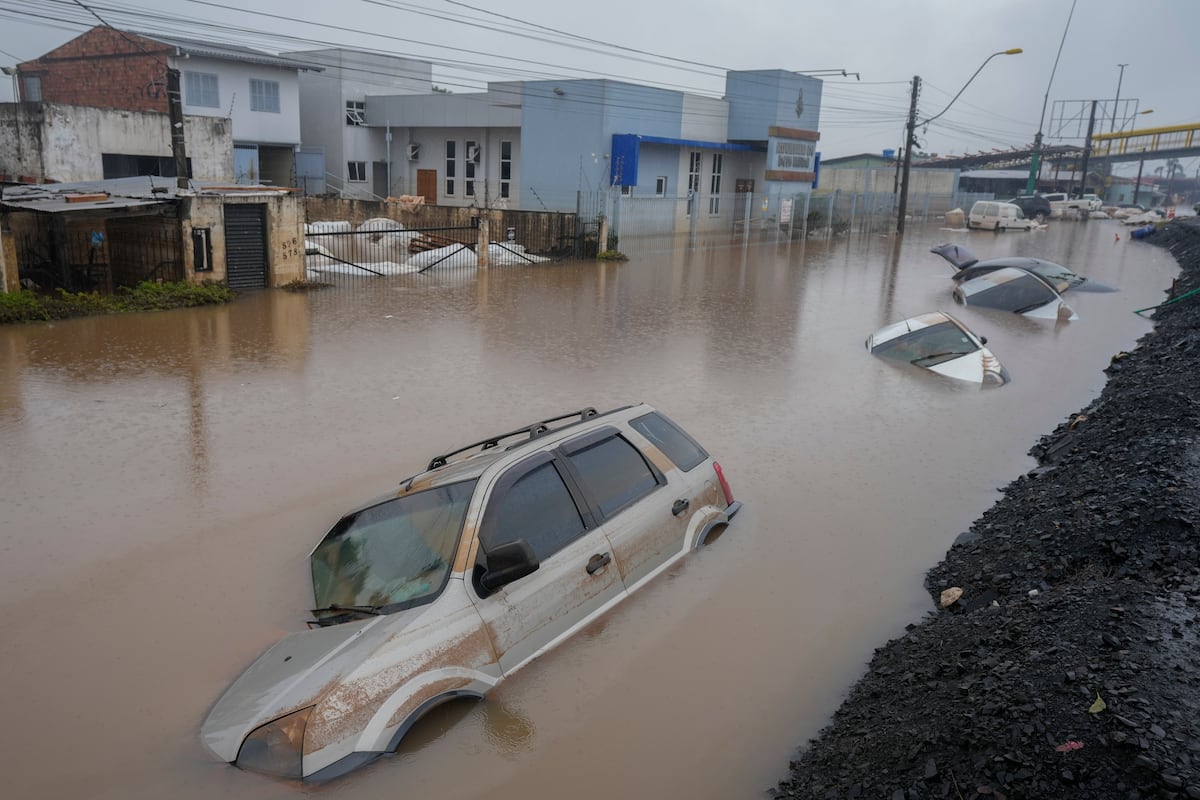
993	216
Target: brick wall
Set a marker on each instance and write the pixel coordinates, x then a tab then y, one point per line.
104	68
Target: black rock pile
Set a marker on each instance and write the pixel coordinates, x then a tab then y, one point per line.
1069	667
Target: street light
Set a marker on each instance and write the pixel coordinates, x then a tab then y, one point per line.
913	124
1117	101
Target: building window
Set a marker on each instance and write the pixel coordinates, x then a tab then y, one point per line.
356	112
451	165
627	190
264	96
200	89
714	186
31	88
660	186
357	171
122	165
505	168
469	168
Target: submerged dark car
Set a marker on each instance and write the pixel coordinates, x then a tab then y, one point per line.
1033	206
967	266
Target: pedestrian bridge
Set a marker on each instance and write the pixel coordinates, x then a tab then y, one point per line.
1173	141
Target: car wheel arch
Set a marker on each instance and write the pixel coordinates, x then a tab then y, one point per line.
420	695
425	708
705	525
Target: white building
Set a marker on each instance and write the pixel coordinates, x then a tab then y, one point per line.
341	151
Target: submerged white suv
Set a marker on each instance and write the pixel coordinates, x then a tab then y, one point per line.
496	553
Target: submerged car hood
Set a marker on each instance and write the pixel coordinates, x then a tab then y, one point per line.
293	674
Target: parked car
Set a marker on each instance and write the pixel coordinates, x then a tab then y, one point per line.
1086	202
967	266
494	554
1058	203
939	343
993	216
1016	290
1033	206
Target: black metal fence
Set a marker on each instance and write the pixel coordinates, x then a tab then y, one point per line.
100	256
335	252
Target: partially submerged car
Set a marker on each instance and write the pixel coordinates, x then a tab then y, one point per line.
1033	206
994	216
494	554
1016	290
967	266
939	343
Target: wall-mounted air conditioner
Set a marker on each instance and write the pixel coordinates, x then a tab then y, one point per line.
414	152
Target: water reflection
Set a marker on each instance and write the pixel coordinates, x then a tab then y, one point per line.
173	471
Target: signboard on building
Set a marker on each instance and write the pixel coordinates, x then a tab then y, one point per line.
791	154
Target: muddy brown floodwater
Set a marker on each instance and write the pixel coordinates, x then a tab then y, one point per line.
164	477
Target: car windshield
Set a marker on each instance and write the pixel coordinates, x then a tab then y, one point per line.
928	346
396	552
1020	294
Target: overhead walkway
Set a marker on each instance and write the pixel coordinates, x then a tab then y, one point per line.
1173	141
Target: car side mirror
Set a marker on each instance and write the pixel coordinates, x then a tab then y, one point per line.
983	340
506	563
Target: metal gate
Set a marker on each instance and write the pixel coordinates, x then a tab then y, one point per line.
246	246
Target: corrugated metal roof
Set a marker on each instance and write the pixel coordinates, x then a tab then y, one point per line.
122	193
229	52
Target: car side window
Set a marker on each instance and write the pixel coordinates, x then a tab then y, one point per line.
538	508
614	473
676	445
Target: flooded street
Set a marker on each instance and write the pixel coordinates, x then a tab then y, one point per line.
166	475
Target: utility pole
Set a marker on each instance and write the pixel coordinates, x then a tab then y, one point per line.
175	119
1137	187
1087	150
909	140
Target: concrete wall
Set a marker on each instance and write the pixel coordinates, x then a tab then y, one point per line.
53	142
8	257
883	180
759	99
285	234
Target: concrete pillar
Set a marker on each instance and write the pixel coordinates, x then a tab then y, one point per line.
484	239
8	258
602	239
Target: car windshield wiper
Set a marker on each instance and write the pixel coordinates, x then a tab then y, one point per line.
1031	307
372	610
941	355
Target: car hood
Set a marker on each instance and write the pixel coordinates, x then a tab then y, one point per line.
979	366
295	673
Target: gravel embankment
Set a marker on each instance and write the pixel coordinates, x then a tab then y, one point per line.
1069	667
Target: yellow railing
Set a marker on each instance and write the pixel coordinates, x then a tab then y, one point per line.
1146	140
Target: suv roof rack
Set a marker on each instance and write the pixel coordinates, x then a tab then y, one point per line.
531	431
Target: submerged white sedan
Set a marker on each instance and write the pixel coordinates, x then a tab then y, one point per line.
939	343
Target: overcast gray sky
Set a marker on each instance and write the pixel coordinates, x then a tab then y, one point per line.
688	46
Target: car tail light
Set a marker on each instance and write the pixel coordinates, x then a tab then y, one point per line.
724	484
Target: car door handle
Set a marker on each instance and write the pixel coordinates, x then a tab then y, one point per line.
680	506
598	562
